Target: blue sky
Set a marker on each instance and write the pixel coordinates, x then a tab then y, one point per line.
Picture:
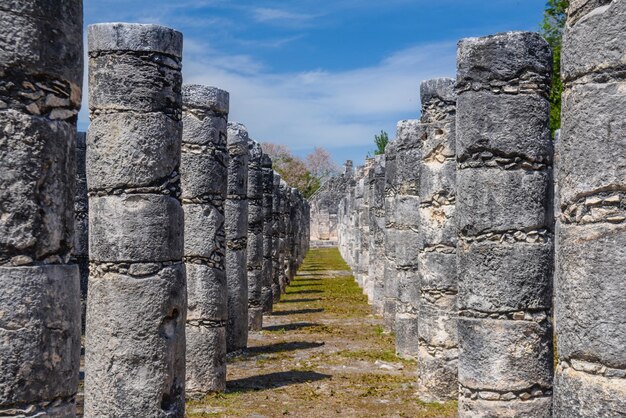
319	72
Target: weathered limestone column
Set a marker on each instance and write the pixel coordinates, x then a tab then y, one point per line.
267	297
203	181
438	348
276	260
41	70
376	270
390	274
282	234
255	236
504	220
408	157
236	226
137	306
591	259
80	252
364	229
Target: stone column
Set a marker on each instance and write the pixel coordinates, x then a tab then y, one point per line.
255	236
137	306
363	225
390	274
276	291
590	306
504	220
80	252
41	69
282	236
376	269
438	349
267	297
203	180
408	157
236	226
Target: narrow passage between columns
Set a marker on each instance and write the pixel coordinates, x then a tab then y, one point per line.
321	353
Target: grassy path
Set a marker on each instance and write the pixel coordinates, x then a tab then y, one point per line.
321	354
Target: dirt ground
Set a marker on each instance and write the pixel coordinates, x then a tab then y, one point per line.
320	354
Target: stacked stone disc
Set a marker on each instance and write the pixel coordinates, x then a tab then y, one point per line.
504	220
267	297
203	180
359	202
376	270
409	151
255	236
390	274
80	252
236	227
438	352
41	70
276	198
591	259
137	306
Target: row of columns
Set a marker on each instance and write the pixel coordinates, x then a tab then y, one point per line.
177	208
469	234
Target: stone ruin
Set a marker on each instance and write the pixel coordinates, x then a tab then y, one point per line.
170	231
483	218
144	221
325	205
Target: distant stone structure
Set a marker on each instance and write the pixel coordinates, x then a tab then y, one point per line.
236	226
438	349
41	71
504	220
203	182
590	308
137	303
325	205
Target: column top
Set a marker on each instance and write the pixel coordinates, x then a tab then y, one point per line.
134	37
438	88
206	97
503	57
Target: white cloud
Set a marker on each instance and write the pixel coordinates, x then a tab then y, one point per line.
263	14
318	107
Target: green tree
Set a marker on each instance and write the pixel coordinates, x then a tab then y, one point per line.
381	142
552	26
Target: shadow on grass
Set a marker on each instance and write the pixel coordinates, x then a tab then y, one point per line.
297	311
300	283
291	327
301	300
273	380
303	292
282	347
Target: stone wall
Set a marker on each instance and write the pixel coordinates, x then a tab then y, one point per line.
325	205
